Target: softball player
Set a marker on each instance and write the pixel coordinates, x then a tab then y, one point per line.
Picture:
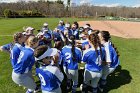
112	60
56	35
74	30
49	75
21	74
48	33
19	40
87	28
46	28
68	32
41	38
29	30
93	58
71	55
61	26
84	40
48	37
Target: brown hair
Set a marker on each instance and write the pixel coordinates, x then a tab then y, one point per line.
31	40
94	39
106	36
40	50
73	47
58	45
85	33
77	25
72	42
17	36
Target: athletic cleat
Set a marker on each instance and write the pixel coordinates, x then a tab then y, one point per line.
68	84
37	90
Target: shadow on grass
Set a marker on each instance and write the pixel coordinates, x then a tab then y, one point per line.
118	78
115	80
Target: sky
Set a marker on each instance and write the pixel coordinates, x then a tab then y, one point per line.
108	3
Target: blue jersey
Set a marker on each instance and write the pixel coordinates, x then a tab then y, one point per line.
76	33
67	57
47	35
57	36
15	52
61	28
111	55
49	31
41	42
8	47
85	42
25	61
93	62
50	77
69	31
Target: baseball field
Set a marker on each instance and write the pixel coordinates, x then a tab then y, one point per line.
125	35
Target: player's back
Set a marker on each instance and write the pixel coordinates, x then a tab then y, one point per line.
114	59
67	56
50	77
25	61
15	52
92	60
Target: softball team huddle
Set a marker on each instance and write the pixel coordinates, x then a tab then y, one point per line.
72	45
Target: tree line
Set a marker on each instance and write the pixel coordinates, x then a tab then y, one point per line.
57	8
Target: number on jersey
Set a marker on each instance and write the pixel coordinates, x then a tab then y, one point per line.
20	56
98	60
68	56
42	79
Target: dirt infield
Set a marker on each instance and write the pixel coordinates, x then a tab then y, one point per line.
123	29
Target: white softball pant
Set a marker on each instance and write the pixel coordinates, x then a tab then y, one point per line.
94	77
25	80
106	71
72	74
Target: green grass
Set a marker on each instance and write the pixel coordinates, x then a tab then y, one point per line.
124	80
127	75
11	25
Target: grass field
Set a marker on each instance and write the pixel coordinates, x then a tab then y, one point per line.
124	80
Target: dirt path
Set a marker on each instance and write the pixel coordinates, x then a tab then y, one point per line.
117	28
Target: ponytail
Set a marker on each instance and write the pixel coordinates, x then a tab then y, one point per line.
94	39
115	48
73	50
100	46
66	41
72	42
